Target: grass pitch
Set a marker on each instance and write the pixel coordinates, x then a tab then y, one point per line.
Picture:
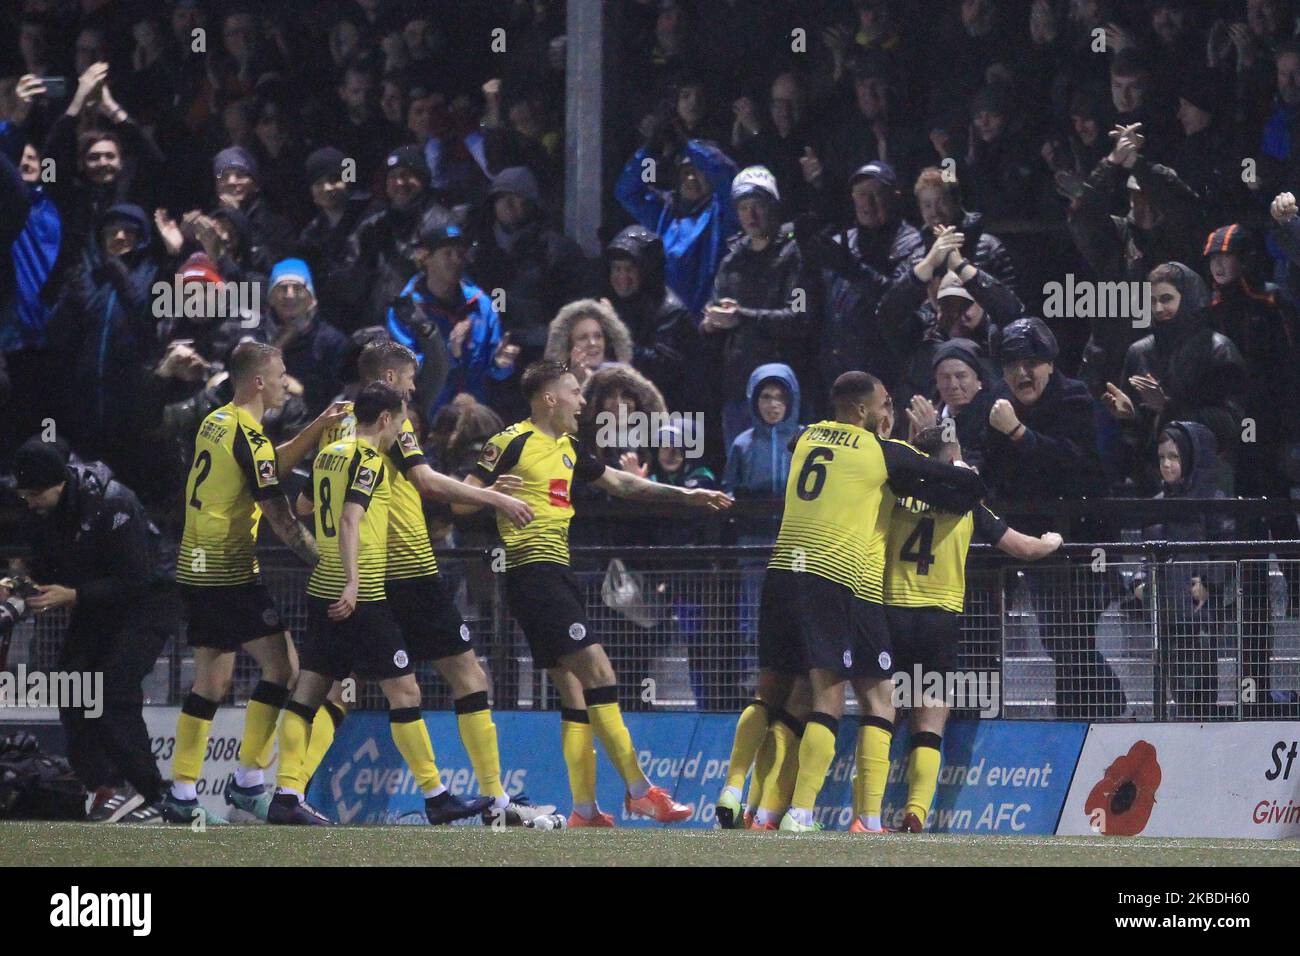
82	844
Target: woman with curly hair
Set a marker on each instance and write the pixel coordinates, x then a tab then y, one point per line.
585	334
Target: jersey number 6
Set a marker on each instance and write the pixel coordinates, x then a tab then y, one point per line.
813	470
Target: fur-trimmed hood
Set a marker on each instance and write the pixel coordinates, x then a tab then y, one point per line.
616	376
618	340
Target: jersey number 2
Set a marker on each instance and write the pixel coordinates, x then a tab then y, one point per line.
812	477
918	546
203	462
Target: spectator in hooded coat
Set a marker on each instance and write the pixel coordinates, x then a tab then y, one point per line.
1183	370
104	323
694	218
664	341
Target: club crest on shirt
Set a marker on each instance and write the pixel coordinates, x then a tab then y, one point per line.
568	462
265	472
365	478
885	660
464	632
577	631
400	659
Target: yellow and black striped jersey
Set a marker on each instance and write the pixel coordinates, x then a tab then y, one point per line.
548	467
234	468
350	472
926	563
410	554
832	497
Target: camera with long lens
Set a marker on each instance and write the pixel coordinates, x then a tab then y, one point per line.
14	607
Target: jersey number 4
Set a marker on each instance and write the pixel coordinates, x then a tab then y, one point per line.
812	477
918	546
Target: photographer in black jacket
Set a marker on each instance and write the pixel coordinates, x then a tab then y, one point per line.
92	556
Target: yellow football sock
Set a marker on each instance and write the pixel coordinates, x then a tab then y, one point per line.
479	735
875	763
259	722
816	751
295	738
607	724
323	725
860	773
751	728
579	755
923	773
192	737
763	761
778	788
411	735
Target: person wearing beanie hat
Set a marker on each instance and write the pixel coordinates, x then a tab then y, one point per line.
1041	445
268	235
40	470
91	559
756	181
962	380
520	250
340	208
314	352
324	163
409	158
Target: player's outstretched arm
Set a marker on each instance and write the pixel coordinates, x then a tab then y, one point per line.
439	487
289	453
624	484
1027	548
289	530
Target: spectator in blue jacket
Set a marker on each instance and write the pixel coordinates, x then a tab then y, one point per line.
759	460
694	219
757	467
441	298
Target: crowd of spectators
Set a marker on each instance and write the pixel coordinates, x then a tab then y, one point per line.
800	187
795	188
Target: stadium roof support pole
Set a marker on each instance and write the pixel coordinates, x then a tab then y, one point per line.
584	125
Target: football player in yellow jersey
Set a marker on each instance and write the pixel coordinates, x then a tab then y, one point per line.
819	612
544	596
233	482
925	589
350	626
424	609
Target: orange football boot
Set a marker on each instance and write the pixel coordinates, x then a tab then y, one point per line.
658	805
600	820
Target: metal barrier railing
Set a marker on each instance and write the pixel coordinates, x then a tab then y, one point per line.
1111	631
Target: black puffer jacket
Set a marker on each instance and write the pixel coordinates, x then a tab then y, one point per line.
1199	369
663	335
1056	457
855	281
541	270
380	261
98	541
775	312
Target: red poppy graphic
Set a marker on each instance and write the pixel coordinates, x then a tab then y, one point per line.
1121	802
